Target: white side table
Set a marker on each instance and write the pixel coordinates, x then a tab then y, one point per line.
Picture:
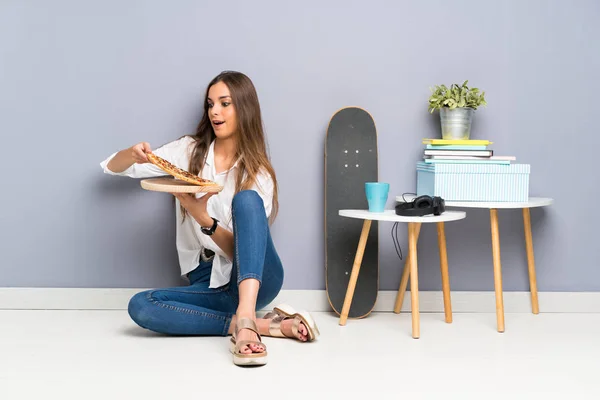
493	207
414	227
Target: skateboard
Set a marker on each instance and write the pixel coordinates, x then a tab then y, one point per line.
350	161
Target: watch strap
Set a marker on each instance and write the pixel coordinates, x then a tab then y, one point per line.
212	229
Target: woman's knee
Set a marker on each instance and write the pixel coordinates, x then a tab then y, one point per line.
247	199
139	309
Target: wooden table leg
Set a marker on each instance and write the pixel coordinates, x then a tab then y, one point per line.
404	280
535	308
414	278
360	251
444	269
497	269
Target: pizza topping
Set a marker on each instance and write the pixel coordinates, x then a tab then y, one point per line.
177	172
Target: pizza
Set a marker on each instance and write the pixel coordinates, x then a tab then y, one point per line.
177	172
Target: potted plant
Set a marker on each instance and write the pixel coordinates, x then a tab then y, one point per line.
456	105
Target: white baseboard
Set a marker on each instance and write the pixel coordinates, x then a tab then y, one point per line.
312	300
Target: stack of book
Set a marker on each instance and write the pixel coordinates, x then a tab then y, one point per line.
444	151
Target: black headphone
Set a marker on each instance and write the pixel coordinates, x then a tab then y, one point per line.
421	206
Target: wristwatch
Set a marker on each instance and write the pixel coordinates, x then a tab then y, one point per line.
211	230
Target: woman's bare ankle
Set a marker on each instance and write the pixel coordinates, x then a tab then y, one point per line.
246	312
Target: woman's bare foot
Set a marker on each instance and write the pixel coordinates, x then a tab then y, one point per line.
247	334
286	328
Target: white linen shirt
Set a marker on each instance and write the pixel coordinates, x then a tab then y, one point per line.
189	238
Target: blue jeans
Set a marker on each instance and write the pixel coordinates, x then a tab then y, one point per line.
199	310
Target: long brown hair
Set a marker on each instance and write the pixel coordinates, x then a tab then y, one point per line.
251	150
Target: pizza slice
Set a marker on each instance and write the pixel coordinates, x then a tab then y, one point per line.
177	172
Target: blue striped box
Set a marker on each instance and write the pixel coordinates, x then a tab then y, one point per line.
474	182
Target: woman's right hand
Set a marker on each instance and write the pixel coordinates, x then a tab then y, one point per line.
139	151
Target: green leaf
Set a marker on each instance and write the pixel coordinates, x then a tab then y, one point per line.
454	96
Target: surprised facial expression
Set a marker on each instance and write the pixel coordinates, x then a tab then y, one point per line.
221	111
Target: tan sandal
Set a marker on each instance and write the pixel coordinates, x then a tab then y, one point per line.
283	312
249	359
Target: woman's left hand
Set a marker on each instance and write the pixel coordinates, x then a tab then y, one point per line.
196	206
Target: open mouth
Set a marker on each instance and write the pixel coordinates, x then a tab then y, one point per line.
218	122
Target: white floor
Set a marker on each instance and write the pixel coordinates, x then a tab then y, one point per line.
103	355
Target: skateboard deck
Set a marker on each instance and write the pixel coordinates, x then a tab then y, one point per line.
350	161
